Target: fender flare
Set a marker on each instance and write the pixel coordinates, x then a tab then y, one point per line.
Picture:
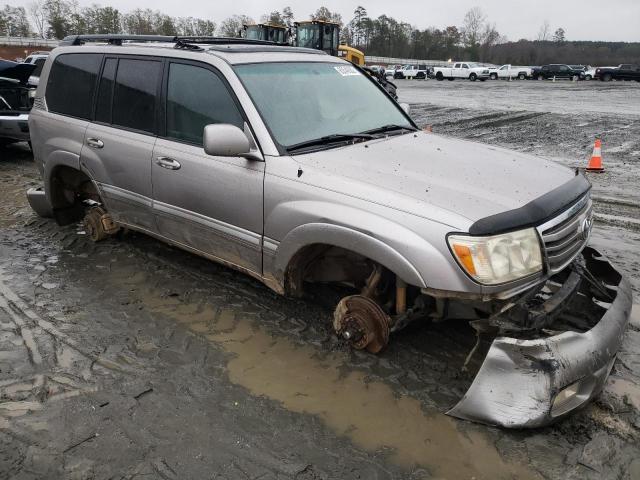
349	239
55	160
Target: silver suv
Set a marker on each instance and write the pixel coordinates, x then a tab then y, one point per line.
297	168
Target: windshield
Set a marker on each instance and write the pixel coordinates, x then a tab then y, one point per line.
306	101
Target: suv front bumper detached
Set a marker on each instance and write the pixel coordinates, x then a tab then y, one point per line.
533	382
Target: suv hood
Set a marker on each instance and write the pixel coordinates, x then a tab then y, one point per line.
16	71
468	179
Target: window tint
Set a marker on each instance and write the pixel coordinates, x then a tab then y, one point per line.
39	63
197	97
135	93
72	82
105	91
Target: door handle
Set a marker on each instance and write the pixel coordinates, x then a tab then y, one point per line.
95	143
168	163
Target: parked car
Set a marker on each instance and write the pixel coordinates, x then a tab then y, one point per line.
192	146
590	73
38	59
390	70
557	71
16	99
625	71
469	70
418	71
510	71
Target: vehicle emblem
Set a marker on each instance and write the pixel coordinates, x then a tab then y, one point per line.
587	224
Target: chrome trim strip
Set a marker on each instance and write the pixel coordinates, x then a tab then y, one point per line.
269	246
248	237
121	194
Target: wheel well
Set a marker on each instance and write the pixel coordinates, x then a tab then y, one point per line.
68	188
322	263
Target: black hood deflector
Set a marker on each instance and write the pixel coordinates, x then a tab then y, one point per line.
536	212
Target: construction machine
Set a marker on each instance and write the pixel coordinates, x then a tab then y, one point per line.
267	32
325	36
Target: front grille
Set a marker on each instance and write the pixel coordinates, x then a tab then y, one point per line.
565	236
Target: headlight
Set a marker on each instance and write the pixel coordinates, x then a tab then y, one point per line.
32	93
500	258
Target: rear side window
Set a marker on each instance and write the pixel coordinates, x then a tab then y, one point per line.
197	97
72	83
135	94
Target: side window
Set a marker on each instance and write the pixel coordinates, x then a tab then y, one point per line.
464	65
135	94
197	97
564	68
39	63
105	91
72	83
457	65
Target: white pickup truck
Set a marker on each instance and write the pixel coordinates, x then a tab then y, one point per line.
469	70
510	71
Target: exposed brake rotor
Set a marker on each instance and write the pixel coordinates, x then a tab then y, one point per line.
98	224
361	321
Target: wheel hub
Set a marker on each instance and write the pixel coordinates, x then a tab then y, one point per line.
361	321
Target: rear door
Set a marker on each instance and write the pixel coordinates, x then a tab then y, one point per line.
563	71
119	142
211	204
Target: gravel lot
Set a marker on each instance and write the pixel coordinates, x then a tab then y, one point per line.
129	358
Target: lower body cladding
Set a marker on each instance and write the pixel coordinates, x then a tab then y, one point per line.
531	380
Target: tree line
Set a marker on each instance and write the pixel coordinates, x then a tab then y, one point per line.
475	39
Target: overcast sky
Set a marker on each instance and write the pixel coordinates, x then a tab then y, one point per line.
613	20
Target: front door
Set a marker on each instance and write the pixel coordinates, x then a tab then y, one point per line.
210	204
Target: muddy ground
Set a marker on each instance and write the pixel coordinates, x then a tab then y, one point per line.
131	359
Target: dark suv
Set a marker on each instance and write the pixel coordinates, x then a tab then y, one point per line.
557	71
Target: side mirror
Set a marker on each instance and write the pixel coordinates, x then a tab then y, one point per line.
225	140
406	108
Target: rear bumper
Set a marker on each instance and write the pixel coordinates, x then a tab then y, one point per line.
523	383
15	127
39	203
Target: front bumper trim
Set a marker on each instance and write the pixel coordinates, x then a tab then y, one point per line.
519	381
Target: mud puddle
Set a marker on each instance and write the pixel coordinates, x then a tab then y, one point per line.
307	380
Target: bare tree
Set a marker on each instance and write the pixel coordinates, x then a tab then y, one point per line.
472	27
38	16
544	32
559	35
232	26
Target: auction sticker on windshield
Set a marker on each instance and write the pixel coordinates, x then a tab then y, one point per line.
346	70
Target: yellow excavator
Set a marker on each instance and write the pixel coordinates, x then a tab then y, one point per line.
266	31
325	36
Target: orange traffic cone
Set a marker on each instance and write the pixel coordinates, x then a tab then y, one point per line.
595	164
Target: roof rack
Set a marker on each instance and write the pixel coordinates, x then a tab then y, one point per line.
185	42
114	39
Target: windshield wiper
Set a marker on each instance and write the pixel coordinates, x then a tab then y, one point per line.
329	139
389	128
